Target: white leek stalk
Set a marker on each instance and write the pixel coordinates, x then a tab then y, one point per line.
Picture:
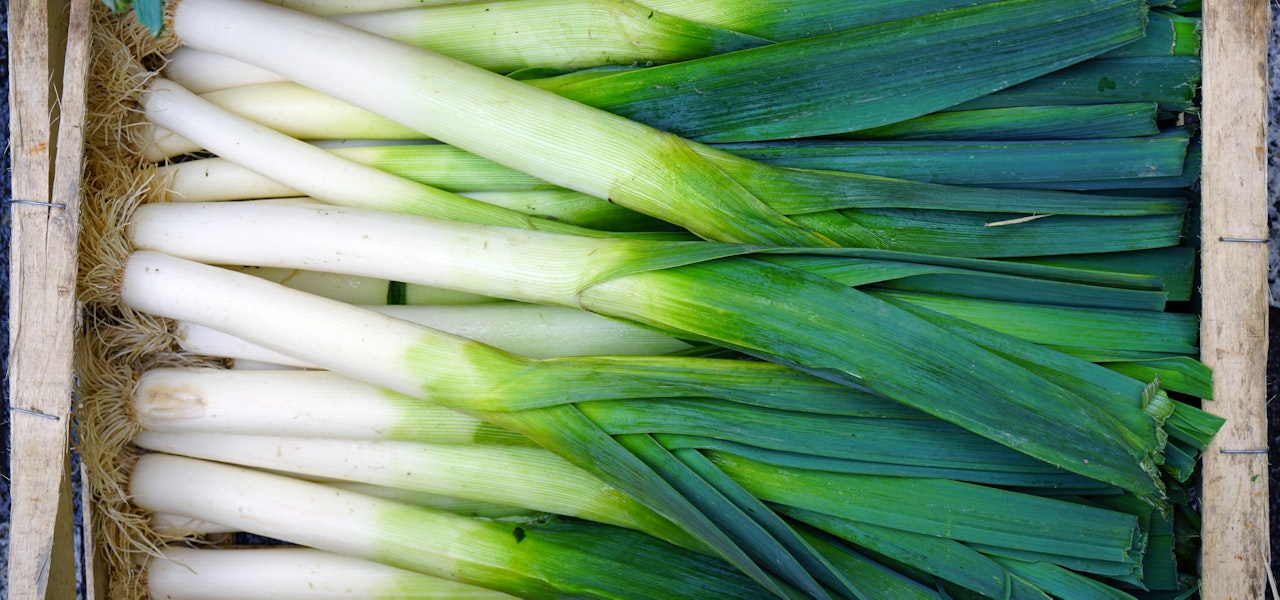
438	253
296	403
214	179
245	364
178	526
353	289
206	341
314	171
384	339
526	329
457	506
203	72
342	7
283	106
521	476
291	573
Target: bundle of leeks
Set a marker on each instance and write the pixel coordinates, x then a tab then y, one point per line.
1026	399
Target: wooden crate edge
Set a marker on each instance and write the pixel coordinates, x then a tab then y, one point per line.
42	301
1235	557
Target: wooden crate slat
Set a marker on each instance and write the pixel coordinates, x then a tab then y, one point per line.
1236	552
42	291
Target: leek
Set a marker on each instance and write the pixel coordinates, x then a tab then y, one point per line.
190	246
554	425
215	179
1168	34
291	572
221	401
625	297
457	506
751	95
321	175
535	331
285	107
504	36
961	566
339	7
543	419
306	114
1011	164
875	581
544	478
543	120
310	457
844	209
877	442
1127	337
178	527
1188	179
735	107
1102	324
558	34
1176	374
314	116
203	72
503	474
926	506
792	19
772	19
302	403
606	413
1061	582
198	339
204	341
574	208
1114	163
1070	122
437	165
532	560
536	119
1084	333
1171	81
1173	266
363	290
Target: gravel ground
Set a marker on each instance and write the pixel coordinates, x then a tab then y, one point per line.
1273	357
4	301
1273	363
1273	148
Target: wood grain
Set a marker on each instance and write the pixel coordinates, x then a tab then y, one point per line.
42	289
1236	554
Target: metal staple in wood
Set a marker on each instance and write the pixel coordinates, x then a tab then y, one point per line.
34	203
34	412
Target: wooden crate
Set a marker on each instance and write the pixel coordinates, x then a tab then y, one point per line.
49	50
48	42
